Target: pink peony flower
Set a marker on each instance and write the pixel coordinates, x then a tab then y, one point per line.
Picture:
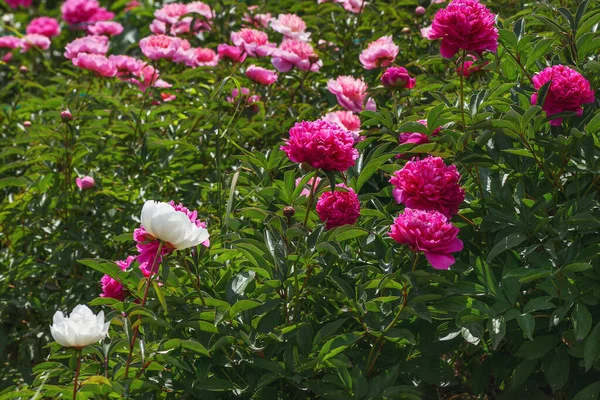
88	44
306	191
156	47
464	24
568	90
397	77
200	8
26	124
322	145
290	26
148	76
113	288
416	137
355	6
351	93
469	67
231	52
254	43
108	28
425	32
85	183
257	20
76	12
429	232
346	120
133	4
96	63
32	40
261	75
10	42
420	11
338	208
126	66
44	26
235	94
171	13
17	3
158	27
295	53
196	57
428	184
379	53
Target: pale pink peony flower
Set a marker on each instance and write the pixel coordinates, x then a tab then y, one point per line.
88	44
158	27
46	26
309	185
32	40
148	76
76	12
254	43
420	11
257	20
156	47
171	13
111	287
10	42
108	28
428	184
17	3
196	57
261	75
338	208
568	90
346	120
355	6
290	26
322	145
26	124
200	8
397	77
231	52
351	93
425	32
126	66
96	63
295	53
85	183
467	25
379	53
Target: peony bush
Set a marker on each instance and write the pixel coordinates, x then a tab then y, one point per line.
339	199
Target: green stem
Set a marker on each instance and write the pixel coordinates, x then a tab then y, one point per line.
414	265
75	384
462	94
311	197
195	282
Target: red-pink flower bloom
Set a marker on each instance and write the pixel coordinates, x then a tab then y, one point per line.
322	145
346	120
108	28
96	63
261	75
44	26
295	53
351	93
10	42
290	26
132	5
397	77
156	47
306	191
26	124
428	184
254	43
379	53
66	116
416	137
469	67
467	25
88	44
113	288
17	3
231	52
85	183
126	66
338	208
568	90
355	6
196	57
32	40
76	12
171	13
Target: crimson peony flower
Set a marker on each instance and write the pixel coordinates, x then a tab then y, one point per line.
290	26
88	44
254	43
46	26
338	208
295	53
379	53
96	63
351	93
464	24
85	183
76	12
429	232
397	77
346	120
321	144
428	184
113	288
108	28
32	40
17	3
156	47
231	52
467	68
568	90
261	75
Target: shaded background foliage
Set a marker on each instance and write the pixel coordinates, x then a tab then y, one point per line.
517	315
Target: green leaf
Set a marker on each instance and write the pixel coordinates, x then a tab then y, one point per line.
590	392
371	167
538	347
195	347
527	324
557	370
338	344
506	243
161	297
582	321
591	348
243	305
497	329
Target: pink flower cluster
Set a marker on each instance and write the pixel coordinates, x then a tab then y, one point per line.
354	6
338	208
351	93
346	120
379	53
171	18
17	3
295	53
257	20
78	13
252	42
111	287
89	53
291	26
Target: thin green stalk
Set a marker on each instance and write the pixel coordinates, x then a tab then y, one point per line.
75	384
195	282
462	94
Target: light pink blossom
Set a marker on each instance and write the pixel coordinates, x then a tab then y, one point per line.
231	52
254	43
32	40
290	26
10	42
420	11
88	44
338	208
77	12
156	47
295	53
355	6
346	120
196	57
46	26
96	63
379	53
235	95
108	28
261	75
351	93
257	20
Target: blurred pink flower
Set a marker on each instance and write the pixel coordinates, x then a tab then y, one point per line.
425	32
166	97
568	90
126	65
290	26
156	47
96	63
85	183
254	43
109	28
429	232
10	42
231	52
397	77
196	57
171	13
17	3
416	137
379	53
351	93
132	5
66	116
261	75
346	120
257	20
235	95
355	6
110	286
338	208
88	44
464	24
420	11
76	12
26	124
322	145
295	53
309	185
148	76
44	26
32	40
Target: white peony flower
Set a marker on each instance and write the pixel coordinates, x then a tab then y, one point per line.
163	222
80	328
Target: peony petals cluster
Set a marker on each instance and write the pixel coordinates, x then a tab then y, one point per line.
346	120
428	232
110	286
322	145
46	26
466	25
309	185
171	18
469	66
295	53
417	137
85	183
92	44
79	329
261	75
291	26
108	28
83	12
568	90
196	57
137	72
34	40
10	42
398	78
257	20
96	63
428	184
235	95
254	43
233	53
338	208
379	53
351	93
156	47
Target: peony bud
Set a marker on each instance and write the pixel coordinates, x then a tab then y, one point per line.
27	124
313	58
289	211
397	77
66	115
85	183
23	69
406	30
420	11
79	329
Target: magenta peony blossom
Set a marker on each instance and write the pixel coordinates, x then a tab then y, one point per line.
10	42
295	53
321	144
379	53
254	43
126	66
88	44
108	28
429	232
351	93
568	90
156	47
464	24
46	26
290	26
261	75
32	40
231	52
338	208
85	183
17	3
96	63
397	77
110	286
346	120
468	68
306	191
428	184
76	12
